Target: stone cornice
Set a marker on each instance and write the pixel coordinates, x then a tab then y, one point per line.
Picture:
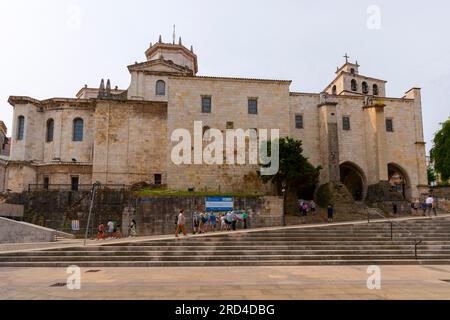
328	103
167	63
17	100
286	82
376	106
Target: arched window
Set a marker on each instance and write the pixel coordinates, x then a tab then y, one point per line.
354	85
78	128
50	130
334	90
20	127
160	88
352	71
375	90
365	87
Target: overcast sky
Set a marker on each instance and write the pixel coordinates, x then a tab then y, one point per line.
51	48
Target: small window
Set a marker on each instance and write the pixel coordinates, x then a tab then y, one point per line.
230	125
252	106
365	87
389	125
50	130
346	123
352	71
75	183
158	179
78	128
160	88
46	183
354	85
334	90
299	121
206	104
375	90
20	127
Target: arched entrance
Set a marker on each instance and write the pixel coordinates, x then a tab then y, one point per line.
399	180
353	178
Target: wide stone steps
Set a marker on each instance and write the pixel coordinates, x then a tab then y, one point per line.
359	244
230	263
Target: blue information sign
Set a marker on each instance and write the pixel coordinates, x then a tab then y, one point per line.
219	204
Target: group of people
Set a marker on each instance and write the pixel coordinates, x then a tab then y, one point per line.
204	222
428	206
112	230
306	206
109	231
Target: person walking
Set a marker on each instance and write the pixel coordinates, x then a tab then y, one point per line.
416	207
434	206
110	226
180	224
330	214
212	221
429	202
101	232
133	228
423	206
196	222
244	218
312	206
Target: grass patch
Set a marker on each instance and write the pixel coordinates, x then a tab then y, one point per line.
178	193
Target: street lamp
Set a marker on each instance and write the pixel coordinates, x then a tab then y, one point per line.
284	185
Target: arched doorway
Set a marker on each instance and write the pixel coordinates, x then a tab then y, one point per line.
353	178
398	178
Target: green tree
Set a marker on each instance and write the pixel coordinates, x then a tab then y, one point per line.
431	175
299	175
440	154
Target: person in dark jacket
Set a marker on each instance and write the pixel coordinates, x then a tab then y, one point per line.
330	213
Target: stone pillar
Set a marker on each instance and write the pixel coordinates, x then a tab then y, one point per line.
378	134
329	141
422	179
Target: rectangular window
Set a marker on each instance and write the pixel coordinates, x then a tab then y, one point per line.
75	183
299	121
158	179
252	106
20	128
346	123
46	183
389	125
206	104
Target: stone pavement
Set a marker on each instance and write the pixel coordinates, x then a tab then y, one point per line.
252	283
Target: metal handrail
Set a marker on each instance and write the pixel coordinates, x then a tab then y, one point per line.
417	240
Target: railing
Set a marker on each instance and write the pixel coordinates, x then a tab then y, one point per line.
70	187
417	240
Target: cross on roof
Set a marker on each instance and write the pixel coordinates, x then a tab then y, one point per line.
346	58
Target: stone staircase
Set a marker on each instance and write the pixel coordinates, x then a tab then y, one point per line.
347	244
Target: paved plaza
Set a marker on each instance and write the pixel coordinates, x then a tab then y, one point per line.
246	283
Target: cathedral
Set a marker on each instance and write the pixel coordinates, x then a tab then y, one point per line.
359	135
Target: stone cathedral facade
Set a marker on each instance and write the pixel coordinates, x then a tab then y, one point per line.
352	129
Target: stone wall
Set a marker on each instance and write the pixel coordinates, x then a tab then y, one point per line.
8	210
20	232
443	205
229	104
130	142
157	215
57	209
3	175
